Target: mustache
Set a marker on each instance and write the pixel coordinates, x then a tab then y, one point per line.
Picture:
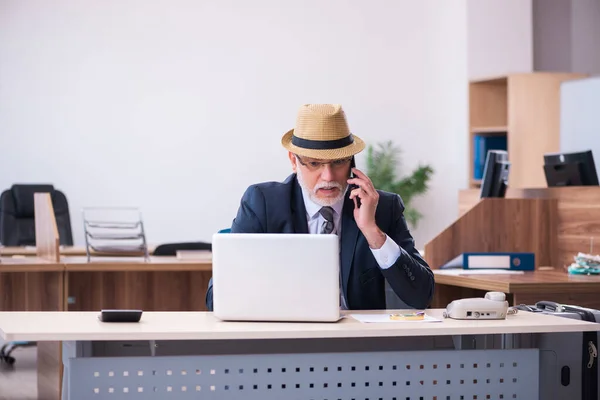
327	185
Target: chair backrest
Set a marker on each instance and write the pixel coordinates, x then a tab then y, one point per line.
17	216
170	249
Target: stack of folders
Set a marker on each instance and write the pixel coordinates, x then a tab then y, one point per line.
114	232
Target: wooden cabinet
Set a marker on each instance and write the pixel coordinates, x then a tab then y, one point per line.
577	218
524	108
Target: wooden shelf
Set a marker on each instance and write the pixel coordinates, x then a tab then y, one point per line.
492	80
524	107
500	130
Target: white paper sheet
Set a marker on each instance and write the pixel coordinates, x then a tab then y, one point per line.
477	272
378	318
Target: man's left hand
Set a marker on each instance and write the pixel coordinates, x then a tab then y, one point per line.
365	214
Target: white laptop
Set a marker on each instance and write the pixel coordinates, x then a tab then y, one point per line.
276	277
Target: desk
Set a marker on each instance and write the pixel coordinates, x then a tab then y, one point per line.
64	250
160	284
527	288
74	284
31	284
187	354
576	218
9	251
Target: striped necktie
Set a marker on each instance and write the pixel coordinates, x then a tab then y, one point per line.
327	213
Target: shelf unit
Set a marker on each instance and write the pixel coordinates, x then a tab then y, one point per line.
524	107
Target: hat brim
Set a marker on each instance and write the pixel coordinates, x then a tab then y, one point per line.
356	147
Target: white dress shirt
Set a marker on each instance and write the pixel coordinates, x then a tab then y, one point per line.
386	256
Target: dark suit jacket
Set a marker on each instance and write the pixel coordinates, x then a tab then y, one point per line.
275	207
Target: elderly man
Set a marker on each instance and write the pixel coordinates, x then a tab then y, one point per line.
326	194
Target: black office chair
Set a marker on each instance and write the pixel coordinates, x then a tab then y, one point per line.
170	249
9	347
17	228
17	215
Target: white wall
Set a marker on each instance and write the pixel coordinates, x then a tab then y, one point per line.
566	35
178	106
499	37
552	35
586	36
579	117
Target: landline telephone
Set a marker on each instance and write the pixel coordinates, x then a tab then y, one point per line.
492	306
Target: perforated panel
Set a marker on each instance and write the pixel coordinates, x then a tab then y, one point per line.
418	375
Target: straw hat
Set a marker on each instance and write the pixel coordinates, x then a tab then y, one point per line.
322	132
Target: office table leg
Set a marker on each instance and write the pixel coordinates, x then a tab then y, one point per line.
37	291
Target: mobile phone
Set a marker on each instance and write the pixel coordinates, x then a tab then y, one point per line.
353	186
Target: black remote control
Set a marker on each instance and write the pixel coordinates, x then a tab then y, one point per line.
120	315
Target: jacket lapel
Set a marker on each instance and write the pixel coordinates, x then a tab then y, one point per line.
298	208
349	239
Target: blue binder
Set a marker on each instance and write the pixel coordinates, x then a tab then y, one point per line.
481	145
509	261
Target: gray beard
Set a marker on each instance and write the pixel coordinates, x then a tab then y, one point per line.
323	202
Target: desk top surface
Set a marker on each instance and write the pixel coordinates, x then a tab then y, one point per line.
100	264
28	264
8	251
64	250
170	263
557	281
44	326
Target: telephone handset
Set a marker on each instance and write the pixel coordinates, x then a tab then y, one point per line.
353	186
492	306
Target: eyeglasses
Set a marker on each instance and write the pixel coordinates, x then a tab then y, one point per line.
317	165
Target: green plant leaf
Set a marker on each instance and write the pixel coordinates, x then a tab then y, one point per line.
383	162
381	165
413	185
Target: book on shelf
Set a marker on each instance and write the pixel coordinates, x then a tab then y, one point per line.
481	145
